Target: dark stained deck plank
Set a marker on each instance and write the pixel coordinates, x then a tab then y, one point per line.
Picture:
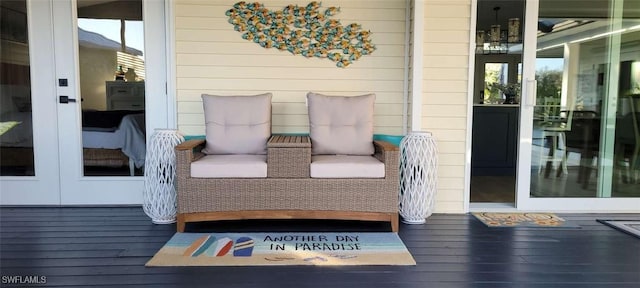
50	250
82	240
135	268
342	278
108	247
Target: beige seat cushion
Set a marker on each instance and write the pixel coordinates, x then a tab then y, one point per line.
237	124
346	166
230	166
341	125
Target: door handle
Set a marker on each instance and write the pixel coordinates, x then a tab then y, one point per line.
532	87
66	99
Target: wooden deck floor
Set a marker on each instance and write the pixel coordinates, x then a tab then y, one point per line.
108	247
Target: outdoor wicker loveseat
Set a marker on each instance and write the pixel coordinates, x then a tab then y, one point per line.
288	192
241	171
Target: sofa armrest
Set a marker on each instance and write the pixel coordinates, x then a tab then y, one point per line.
190	150
385	151
187	152
388	154
190	144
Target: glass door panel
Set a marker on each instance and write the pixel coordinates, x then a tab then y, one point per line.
112	88
498	58
580	129
16	125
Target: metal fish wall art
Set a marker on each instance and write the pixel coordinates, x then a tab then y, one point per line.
302	30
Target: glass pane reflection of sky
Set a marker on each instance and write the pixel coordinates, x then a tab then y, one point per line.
110	28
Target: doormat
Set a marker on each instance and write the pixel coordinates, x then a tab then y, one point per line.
631	227
262	249
528	220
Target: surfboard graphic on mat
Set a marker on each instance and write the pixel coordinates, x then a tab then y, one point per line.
243	247
199	246
220	248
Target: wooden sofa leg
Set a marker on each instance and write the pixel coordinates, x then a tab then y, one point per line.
180	223
395	225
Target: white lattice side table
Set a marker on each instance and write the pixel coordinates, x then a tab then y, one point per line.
159	196
418	177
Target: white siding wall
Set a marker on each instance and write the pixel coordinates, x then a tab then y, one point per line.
445	94
213	58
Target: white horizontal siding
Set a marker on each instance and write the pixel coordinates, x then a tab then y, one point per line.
282	59
292	96
197	23
445	61
207	35
444	123
289	108
449	206
271	85
443	110
444	95
205	48
212	58
392	10
458	98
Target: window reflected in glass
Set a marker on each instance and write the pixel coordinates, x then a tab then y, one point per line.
495	73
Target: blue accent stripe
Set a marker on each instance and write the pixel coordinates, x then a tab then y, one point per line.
393	139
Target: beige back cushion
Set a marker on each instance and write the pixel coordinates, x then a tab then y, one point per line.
237	124
341	125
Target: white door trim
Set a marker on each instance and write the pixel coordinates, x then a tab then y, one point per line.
527	103
160	105
471	94
172	98
417	51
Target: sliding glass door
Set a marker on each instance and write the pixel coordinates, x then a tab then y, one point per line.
579	134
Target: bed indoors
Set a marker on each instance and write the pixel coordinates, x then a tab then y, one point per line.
112	139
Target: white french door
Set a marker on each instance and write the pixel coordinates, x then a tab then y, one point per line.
62	175
578	146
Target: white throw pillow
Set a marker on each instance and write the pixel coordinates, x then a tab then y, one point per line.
341	125
237	124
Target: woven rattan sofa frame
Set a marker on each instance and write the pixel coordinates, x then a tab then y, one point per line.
214	199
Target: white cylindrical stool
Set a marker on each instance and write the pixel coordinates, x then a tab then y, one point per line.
159	196
418	177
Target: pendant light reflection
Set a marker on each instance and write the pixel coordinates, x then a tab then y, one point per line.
498	40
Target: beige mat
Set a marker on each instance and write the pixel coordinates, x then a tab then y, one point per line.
530	220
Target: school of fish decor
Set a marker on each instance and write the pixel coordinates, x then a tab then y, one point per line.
302	30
